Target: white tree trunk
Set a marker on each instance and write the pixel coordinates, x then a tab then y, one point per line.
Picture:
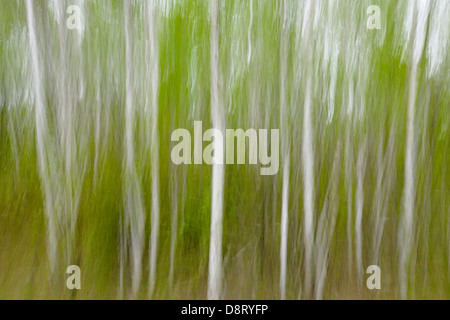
406	233
218	170
154	66
308	152
41	137
286	154
360	172
133	194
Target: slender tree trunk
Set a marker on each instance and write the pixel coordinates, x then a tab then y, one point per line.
285	153
360	172
154	65
308	153
406	233
349	192
41	136
218	170
133	193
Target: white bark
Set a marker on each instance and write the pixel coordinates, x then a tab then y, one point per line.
406	233
360	172
308	152
286	154
154	66
218	170
133	199
41	137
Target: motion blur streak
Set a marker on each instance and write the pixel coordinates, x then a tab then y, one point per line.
91	91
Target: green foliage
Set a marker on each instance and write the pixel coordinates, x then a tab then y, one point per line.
378	70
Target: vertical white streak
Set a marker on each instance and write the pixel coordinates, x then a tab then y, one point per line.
284	228
378	203
406	229
218	170
349	190
308	182
439	36
41	134
360	171
307	149
154	65
286	154
65	126
250	33
134	206
406	232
